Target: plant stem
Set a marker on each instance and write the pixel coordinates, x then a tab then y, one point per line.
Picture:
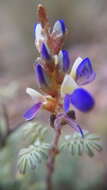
9	131
53	152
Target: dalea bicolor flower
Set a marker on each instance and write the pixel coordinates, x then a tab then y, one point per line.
59	80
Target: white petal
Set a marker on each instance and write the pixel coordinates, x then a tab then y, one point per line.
38	32
57	28
35	95
56	61
68	85
75	66
39	37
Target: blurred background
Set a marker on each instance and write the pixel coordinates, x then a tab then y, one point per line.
87	24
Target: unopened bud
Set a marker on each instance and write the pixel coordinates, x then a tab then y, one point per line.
39	36
64	61
59	27
41	75
42	15
45	52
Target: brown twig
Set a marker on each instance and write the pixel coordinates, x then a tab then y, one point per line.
5	115
4	138
9	131
53	152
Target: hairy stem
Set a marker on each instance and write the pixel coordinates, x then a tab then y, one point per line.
53	152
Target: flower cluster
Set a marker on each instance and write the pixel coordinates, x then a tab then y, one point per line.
59	79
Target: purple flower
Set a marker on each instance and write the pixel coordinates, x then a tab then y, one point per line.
40	101
81	73
52	62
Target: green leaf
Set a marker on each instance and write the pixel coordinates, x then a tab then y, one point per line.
3	128
31	157
77	145
33	131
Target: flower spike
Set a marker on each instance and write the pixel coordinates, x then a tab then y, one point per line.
60	84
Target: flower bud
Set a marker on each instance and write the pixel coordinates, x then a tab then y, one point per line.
41	75
59	27
42	15
82	71
45	52
39	37
64	61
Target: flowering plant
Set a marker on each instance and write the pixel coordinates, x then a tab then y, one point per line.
60	88
59	80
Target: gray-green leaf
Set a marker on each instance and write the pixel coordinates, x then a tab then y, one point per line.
77	145
31	157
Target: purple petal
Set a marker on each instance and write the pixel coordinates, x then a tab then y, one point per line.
72	123
84	72
80	130
63	27
64	60
35	27
82	100
44	52
32	112
40	75
67	103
